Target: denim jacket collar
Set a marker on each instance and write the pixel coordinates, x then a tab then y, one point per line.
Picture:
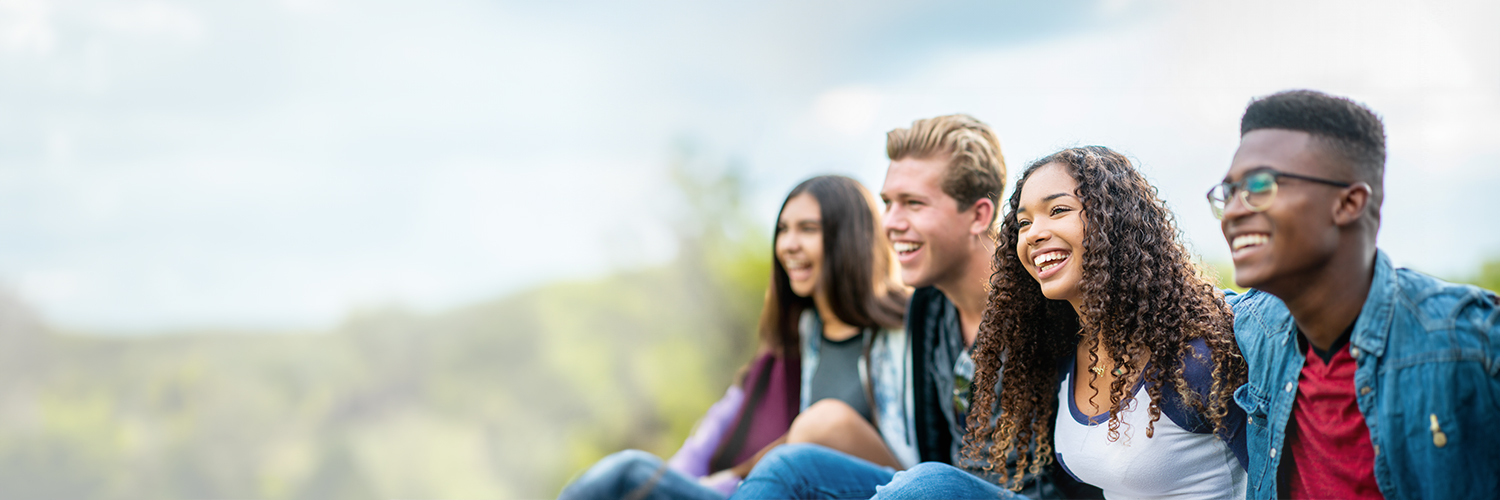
1375	319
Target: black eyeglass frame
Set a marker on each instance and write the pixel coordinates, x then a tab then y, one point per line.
1218	205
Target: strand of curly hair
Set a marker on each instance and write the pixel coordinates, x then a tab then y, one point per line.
1142	297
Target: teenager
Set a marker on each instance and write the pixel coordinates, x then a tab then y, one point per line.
941	190
1119	360
833	300
1366	380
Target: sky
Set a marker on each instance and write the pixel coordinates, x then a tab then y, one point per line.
171	164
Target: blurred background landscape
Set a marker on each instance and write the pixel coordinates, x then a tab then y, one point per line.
461	249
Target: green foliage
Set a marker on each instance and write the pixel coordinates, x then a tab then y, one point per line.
502	399
1488	276
1221	274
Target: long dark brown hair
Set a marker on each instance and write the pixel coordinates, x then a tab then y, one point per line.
858	276
1142	297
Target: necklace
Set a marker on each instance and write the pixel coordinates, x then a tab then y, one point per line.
1099	370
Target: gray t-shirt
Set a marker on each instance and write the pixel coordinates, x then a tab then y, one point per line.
837	375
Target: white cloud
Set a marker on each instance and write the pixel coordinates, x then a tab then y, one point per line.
200	163
1169	92
26	27
847	110
152	18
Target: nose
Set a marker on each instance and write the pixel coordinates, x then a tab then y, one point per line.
895	218
1037	234
787	243
1234	208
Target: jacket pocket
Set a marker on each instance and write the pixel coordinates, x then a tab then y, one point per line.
1253	403
1257	441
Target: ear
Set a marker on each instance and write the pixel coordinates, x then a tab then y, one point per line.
1350	205
983	217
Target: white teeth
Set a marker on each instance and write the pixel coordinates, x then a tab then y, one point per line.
906	246
794	264
1246	240
1049	257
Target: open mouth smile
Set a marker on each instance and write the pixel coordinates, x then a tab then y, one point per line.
1248	241
1049	261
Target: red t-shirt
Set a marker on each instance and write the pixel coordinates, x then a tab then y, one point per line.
1329	443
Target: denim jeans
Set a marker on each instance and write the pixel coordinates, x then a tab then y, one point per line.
636	475
809	471
939	480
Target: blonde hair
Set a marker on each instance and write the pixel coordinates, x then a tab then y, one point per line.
976	169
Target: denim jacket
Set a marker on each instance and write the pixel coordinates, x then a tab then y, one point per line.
1427	356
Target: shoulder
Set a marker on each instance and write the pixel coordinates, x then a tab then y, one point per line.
1198	366
1441	305
1198	372
1197	369
1258	317
926	296
808	322
1252	301
925	302
888	343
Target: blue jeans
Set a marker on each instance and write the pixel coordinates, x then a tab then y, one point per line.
809	471
636	475
939	480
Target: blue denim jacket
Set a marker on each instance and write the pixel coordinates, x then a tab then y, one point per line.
1425	349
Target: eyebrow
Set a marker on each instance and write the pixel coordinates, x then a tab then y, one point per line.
1047	198
1254	169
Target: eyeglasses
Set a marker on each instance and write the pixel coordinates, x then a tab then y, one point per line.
1257	190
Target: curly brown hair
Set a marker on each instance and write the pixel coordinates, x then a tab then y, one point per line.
1142	297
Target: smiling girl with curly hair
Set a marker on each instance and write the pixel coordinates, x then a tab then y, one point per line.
1100	325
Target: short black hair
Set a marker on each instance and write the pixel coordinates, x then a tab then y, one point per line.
1347	128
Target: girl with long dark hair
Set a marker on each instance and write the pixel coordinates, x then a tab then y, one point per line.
832	316
1119	361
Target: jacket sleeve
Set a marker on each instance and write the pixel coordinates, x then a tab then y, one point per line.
692	458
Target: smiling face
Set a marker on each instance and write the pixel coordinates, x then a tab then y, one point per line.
930	234
799	243
1051	229
1277	248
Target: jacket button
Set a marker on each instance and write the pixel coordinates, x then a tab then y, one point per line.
1364	390
1354	351
1273	452
1439	438
1290	386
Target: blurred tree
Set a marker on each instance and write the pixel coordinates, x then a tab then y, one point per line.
1488	276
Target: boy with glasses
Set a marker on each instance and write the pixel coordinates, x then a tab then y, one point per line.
1365	381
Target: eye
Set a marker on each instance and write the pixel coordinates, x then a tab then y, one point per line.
1023	223
1259	182
1060	209
781	229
